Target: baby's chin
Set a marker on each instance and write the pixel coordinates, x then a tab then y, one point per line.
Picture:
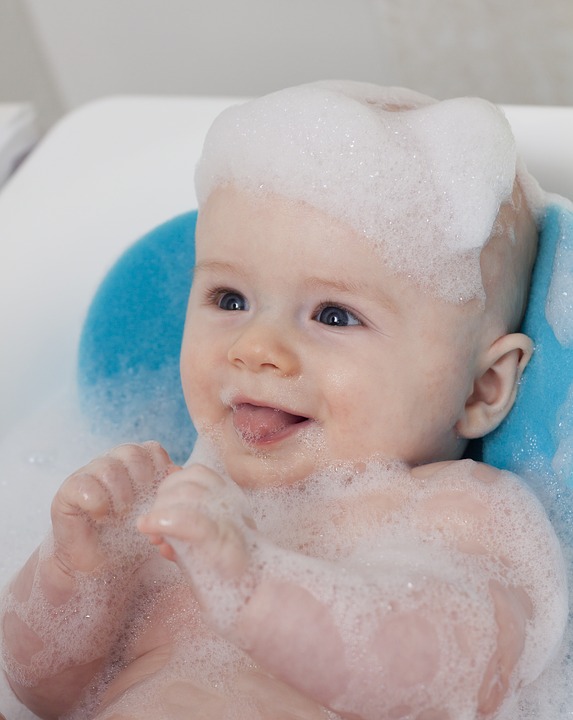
258	465
257	472
281	464
260	472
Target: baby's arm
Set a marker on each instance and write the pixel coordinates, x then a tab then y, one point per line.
63	611
364	639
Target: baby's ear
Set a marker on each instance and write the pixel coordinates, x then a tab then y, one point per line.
495	387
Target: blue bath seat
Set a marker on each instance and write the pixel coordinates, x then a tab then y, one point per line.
128	367
529	436
128	364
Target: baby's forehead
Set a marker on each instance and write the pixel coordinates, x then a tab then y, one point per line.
425	183
258	234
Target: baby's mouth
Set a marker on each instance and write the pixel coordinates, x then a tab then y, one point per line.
257	424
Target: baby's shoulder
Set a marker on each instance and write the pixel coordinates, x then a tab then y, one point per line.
468	474
460	468
478	500
478	491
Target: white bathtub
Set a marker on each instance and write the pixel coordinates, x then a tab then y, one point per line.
105	175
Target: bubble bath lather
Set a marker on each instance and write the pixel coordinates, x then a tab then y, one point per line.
112	170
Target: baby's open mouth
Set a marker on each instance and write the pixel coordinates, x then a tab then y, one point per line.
260	424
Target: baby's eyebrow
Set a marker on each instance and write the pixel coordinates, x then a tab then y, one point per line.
326	285
354	288
218	266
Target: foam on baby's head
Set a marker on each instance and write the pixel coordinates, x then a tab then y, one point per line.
424	180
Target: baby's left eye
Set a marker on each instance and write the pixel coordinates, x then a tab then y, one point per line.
231	300
336	316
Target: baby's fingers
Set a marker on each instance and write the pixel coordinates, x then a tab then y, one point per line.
177	520
186	535
109	485
80	503
106	493
83	493
131	473
147	464
89	499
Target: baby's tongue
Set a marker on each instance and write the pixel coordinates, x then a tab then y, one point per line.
259	423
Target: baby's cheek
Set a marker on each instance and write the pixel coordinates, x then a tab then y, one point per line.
363	424
349	396
195	381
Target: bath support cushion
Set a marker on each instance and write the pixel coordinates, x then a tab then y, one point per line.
129	350
128	365
534	435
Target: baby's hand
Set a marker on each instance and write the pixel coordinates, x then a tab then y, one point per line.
91	511
199	520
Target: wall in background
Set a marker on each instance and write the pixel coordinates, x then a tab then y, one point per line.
507	51
25	72
62	53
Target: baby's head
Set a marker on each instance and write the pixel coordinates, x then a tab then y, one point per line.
422	180
410	216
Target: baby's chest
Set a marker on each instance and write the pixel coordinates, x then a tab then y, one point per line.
189	671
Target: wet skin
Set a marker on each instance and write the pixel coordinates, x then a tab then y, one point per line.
289	366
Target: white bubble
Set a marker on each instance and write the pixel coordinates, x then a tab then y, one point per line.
418	548
424	182
344	495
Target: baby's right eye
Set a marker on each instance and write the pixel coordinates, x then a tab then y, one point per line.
231	300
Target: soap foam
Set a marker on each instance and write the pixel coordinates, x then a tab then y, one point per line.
550	695
431	551
424	183
288	516
77	630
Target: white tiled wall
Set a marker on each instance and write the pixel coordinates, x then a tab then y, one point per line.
507	51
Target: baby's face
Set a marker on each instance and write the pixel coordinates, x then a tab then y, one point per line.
301	350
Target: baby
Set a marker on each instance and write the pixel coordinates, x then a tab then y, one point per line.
363	260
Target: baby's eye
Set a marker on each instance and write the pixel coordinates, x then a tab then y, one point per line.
336	316
231	300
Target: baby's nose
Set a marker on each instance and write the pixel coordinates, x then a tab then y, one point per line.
262	346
